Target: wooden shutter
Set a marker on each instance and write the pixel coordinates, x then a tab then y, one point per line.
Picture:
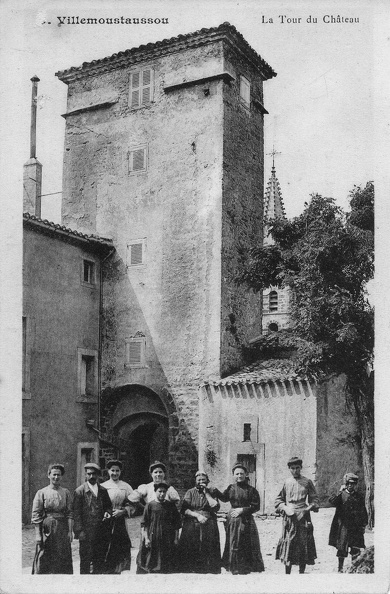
138	160
135	352
135	254
245	90
146	86
135	89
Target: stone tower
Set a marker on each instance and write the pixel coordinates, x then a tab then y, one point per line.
276	300
164	154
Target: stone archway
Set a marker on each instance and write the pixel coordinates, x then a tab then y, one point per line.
139	419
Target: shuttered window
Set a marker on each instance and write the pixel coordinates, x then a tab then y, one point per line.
273	301
136	253
138	159
135	350
141	88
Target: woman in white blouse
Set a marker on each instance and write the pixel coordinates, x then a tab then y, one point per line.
118	556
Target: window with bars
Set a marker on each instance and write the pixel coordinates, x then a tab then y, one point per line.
273	301
135	350
141	88
245	91
138	159
136	253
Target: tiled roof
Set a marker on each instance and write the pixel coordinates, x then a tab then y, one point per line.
64	232
261	372
167	45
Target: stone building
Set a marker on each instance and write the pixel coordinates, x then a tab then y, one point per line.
164	154
164	157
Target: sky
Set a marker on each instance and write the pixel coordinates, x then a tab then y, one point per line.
320	104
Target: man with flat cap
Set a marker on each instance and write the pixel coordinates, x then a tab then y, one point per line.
92	510
350	520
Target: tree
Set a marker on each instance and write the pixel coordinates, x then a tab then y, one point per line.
326	257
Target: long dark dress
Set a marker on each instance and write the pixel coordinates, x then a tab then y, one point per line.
53	508
296	545
118	556
199	546
242	554
160	521
348	524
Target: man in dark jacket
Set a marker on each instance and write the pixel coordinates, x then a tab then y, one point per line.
350	520
92	510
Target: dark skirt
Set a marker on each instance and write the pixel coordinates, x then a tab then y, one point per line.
297	546
199	546
118	555
242	554
55	556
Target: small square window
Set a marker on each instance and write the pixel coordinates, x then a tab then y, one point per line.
245	91
88	272
138	160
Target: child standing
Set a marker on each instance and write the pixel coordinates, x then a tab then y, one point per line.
160	533
349	522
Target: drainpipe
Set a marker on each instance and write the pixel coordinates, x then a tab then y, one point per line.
100	336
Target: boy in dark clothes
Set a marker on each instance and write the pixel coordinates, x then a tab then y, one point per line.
160	532
349	522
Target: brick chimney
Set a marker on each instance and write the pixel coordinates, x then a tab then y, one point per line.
32	169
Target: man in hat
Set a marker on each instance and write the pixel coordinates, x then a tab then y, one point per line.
295	501
92	508
350	520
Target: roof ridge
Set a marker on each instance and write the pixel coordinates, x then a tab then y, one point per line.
226	26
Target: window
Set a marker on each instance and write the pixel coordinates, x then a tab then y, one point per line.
247	432
87	375
136	253
86	452
245	91
135	350
273	327
273	301
88	273
141	88
138	159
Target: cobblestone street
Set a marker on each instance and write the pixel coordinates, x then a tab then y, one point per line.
269	530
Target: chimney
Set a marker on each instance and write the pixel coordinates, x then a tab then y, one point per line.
32	169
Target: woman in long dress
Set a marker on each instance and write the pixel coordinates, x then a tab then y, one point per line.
53	519
242	554
146	493
297	497
199	546
118	556
160	531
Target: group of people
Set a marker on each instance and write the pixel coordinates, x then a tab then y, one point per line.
183	536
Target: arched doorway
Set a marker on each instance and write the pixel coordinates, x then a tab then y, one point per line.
140	421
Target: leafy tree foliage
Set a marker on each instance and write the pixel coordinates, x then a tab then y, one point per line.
326	257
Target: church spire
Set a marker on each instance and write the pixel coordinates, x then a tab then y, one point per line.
273	201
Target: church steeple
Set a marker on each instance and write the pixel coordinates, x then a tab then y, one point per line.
273	201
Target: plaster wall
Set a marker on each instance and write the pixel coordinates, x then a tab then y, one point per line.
338	442
62	315
283	419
